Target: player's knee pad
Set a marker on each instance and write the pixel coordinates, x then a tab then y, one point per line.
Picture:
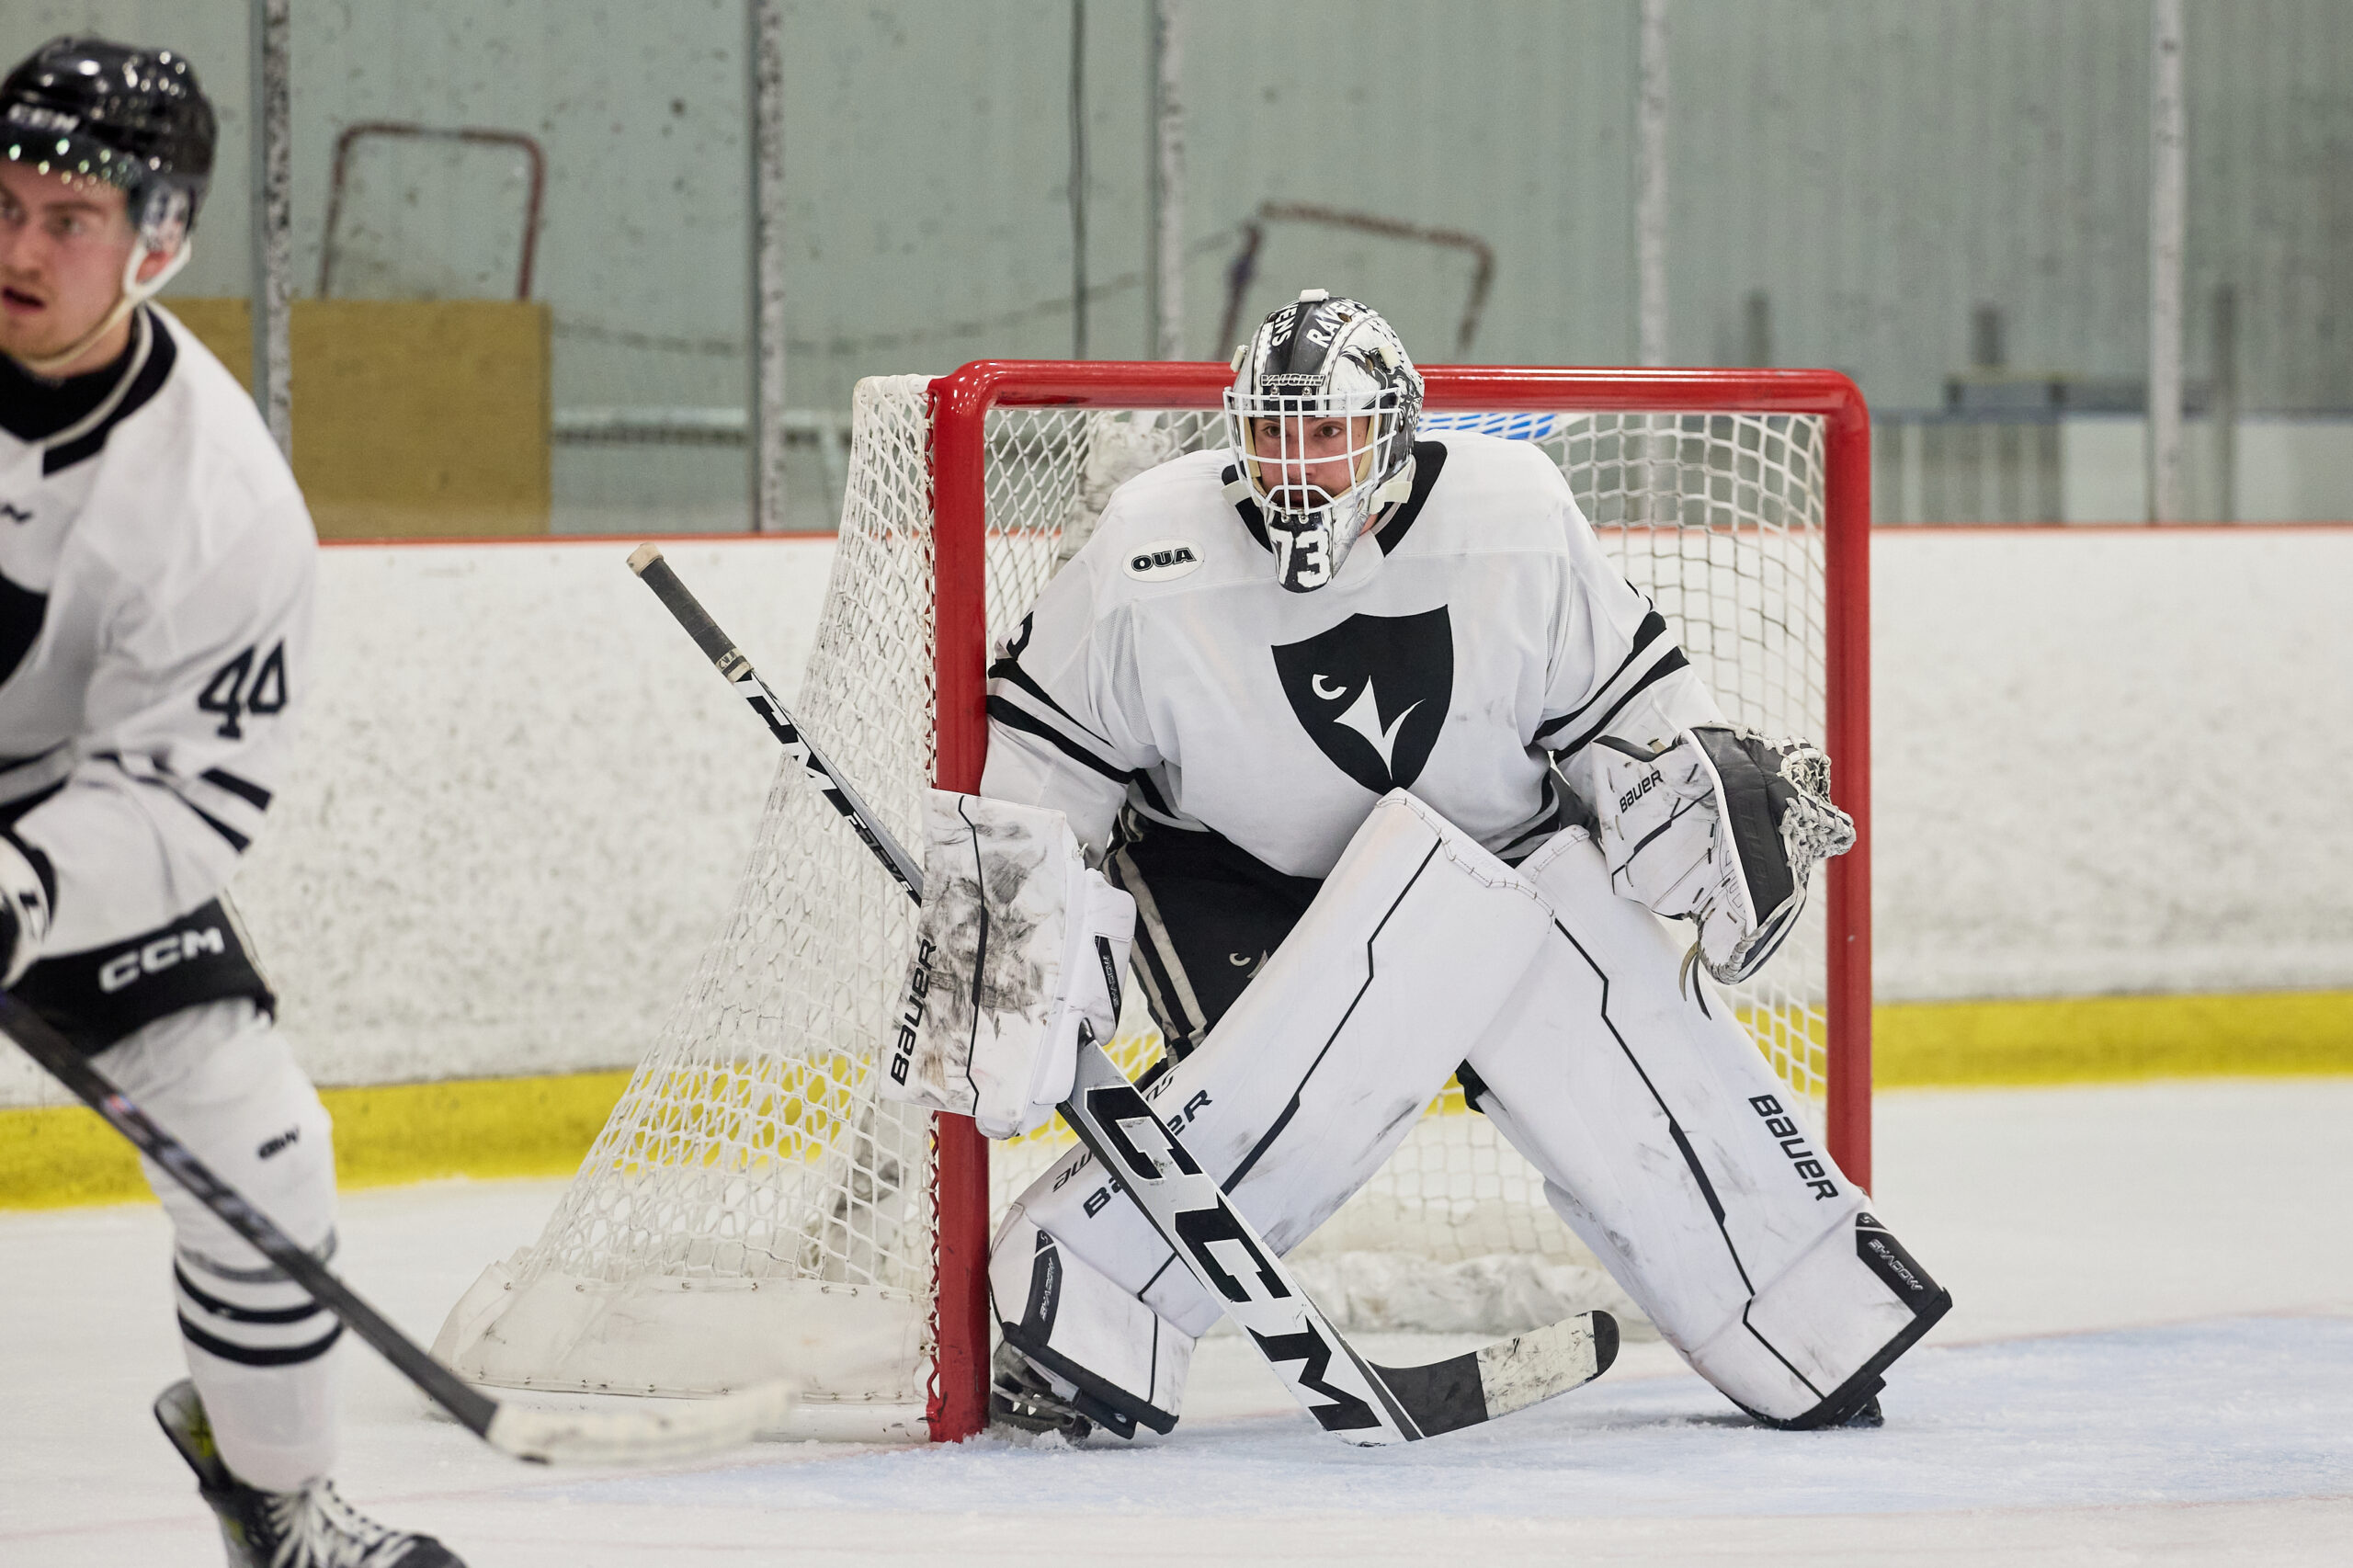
222	1081
1125	1366
1325	1063
1668	1146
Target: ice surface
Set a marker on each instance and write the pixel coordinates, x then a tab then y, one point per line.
2152	1361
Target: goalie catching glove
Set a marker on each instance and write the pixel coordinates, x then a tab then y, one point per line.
1018	957
1722	827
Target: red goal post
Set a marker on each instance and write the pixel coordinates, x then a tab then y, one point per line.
961	404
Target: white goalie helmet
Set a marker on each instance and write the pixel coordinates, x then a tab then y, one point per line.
1322	394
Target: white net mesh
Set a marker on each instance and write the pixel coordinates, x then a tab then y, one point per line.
749	1148
749	1142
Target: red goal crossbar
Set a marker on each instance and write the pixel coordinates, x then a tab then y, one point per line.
960	408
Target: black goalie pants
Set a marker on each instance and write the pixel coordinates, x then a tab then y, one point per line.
1208	916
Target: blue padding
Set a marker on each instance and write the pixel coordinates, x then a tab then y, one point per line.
1510	426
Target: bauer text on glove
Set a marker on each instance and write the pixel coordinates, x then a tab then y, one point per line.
1722	827
1021	948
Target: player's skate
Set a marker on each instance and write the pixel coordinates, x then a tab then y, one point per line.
308	1529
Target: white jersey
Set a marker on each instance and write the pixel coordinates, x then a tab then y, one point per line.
1477	635
156	568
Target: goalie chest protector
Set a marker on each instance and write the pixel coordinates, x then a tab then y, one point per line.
1483	631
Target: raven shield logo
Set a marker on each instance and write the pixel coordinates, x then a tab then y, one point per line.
1373	693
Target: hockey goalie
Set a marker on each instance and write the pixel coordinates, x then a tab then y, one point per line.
1286	695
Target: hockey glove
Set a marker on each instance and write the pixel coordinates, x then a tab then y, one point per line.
24	893
1020	954
1722	827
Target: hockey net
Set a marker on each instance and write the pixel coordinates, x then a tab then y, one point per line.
752	1210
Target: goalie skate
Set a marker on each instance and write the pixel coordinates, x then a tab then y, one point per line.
1025	1398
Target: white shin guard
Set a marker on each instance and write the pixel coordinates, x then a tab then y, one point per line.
1305	1086
221	1080
1668	1144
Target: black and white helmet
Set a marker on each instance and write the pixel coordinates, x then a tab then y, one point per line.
1335	364
134	119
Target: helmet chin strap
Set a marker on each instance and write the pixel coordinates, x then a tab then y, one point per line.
1399	488
1384	500
134	294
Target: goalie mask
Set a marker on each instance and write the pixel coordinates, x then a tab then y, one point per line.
1321	416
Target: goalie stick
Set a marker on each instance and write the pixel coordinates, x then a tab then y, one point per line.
1356	1399
600	1437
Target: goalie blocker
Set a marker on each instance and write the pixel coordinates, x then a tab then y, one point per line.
1017	959
1665	1140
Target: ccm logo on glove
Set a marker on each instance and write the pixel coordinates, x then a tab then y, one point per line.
162	953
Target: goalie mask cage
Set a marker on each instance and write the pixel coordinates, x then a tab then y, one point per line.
751	1210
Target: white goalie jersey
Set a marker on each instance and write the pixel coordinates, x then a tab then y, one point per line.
1485	636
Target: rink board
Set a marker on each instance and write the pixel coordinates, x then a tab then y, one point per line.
543	1126
522	802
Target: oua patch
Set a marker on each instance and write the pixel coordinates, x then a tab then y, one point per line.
1162	561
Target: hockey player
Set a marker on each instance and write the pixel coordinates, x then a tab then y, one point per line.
156	565
1286	695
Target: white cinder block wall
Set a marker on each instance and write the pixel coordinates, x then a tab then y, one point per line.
2105	760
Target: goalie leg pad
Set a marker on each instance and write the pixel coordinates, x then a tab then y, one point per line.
223	1082
1107	1355
1670	1147
1317	1073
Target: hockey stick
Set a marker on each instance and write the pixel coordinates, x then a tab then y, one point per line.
603	1436
1352	1398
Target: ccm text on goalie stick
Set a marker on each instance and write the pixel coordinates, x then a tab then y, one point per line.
1355	1399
